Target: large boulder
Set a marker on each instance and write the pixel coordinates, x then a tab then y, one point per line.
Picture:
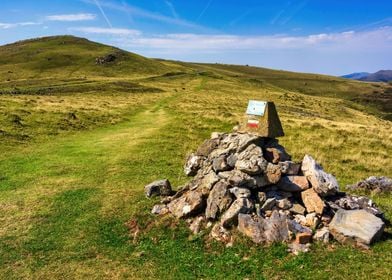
358	226
323	183
160	187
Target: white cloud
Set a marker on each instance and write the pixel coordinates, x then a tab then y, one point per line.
107	31
380	38
4	25
71	17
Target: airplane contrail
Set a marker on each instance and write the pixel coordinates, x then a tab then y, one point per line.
204	10
103	13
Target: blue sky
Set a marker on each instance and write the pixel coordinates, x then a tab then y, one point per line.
329	37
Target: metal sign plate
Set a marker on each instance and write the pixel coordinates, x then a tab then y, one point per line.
256	108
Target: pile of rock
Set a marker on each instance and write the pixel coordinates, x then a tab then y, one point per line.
373	184
105	59
249	183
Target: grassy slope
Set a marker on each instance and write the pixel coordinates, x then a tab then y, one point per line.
68	185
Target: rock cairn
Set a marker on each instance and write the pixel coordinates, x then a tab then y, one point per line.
249	183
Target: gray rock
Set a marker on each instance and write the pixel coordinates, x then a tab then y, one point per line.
323	183
297	248
231	160
352	202
276	228
268	204
160	187
358	226
240	192
218	200
251	160
293	183
253	227
373	183
204	183
272	173
219	164
240	205
262	197
193	164
189	204
296	227
322	235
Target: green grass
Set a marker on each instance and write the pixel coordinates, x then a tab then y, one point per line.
73	163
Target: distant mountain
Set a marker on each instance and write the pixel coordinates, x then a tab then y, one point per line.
380	76
356	76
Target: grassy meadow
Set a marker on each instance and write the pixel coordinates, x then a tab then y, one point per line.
78	142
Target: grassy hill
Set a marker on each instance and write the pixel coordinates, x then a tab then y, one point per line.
79	141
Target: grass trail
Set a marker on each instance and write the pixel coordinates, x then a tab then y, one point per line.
54	197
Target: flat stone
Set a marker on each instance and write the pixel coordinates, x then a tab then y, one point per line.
189	204
218	200
358	226
312	201
297	209
323	183
160	187
251	227
290	167
240	205
293	183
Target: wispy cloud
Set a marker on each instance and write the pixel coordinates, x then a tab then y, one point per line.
107	31
71	17
172	9
377	39
290	10
135	11
103	13
4	25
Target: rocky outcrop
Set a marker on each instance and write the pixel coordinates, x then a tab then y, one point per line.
373	184
248	184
